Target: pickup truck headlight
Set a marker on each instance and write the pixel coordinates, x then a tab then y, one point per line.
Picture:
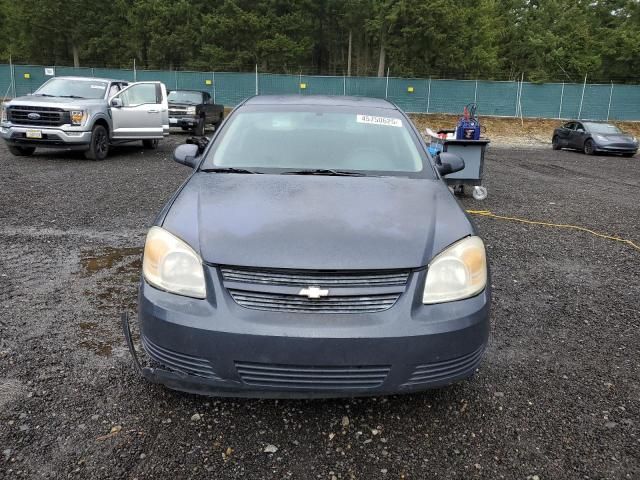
78	117
191	110
458	272
172	265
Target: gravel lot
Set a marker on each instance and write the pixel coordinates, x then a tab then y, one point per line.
557	397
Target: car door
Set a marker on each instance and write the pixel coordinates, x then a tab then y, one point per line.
564	134
138	111
579	136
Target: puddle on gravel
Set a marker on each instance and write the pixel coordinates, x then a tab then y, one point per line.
106	258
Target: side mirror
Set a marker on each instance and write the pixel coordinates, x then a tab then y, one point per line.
186	155
116	102
449	163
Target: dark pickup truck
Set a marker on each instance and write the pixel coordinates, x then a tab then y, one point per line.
193	110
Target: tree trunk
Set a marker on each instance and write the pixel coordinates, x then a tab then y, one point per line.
382	57
349	54
76	55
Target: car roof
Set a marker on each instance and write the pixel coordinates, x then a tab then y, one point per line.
186	90
92	79
328	100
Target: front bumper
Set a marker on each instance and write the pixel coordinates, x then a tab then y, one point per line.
51	137
616	148
183	121
217	347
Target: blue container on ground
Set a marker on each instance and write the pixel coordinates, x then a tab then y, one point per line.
468	129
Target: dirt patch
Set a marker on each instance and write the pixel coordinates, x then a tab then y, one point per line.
509	131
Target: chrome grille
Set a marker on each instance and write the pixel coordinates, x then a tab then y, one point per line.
312	377
179	362
301	278
49	117
295	303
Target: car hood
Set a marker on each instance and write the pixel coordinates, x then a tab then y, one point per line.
59	102
316	222
617	138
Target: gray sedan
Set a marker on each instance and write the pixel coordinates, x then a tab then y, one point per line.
593	137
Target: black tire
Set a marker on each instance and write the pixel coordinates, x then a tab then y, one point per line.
185	129
21	151
555	143
199	130
150	144
589	148
99	146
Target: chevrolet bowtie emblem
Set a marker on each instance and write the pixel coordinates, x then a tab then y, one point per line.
313	292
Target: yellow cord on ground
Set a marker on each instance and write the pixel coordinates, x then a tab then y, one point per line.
488	213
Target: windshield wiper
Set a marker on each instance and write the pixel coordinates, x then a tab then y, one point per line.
326	171
227	170
70	96
42	95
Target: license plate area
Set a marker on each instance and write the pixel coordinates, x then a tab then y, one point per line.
33	133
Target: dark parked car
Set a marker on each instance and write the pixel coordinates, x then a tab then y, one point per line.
314	251
193	110
593	137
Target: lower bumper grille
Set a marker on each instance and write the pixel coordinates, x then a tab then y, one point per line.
179	362
437	371
295	303
312	377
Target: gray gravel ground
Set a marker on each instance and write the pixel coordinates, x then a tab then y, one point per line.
557	397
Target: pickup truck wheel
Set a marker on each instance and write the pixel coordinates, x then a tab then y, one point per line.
150	144
22	151
199	130
99	146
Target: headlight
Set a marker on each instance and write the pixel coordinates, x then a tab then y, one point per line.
78	117
172	265
191	110
600	138
3	114
633	139
458	272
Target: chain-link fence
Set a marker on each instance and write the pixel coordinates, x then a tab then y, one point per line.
416	95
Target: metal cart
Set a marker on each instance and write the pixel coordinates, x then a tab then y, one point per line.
472	152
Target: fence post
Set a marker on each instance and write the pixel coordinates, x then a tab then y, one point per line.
176	78
386	87
429	95
344	85
135	74
515	114
93	74
610	96
475	93
584	86
256	79
561	98
213	82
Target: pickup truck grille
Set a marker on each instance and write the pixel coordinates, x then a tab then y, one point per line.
343	291
38	116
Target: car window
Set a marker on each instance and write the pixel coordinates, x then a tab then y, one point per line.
182	96
378	140
569	125
579	127
115	88
139	94
73	87
603	128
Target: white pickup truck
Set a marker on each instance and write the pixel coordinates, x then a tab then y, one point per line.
87	114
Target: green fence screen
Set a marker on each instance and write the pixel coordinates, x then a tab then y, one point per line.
416	95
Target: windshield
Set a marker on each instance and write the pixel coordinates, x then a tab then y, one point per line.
74	88
328	138
603	128
178	96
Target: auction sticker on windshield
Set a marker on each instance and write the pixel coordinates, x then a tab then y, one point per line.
389	122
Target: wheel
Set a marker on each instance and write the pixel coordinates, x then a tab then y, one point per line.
185	129
22	151
479	192
199	130
589	148
99	146
151	144
555	143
